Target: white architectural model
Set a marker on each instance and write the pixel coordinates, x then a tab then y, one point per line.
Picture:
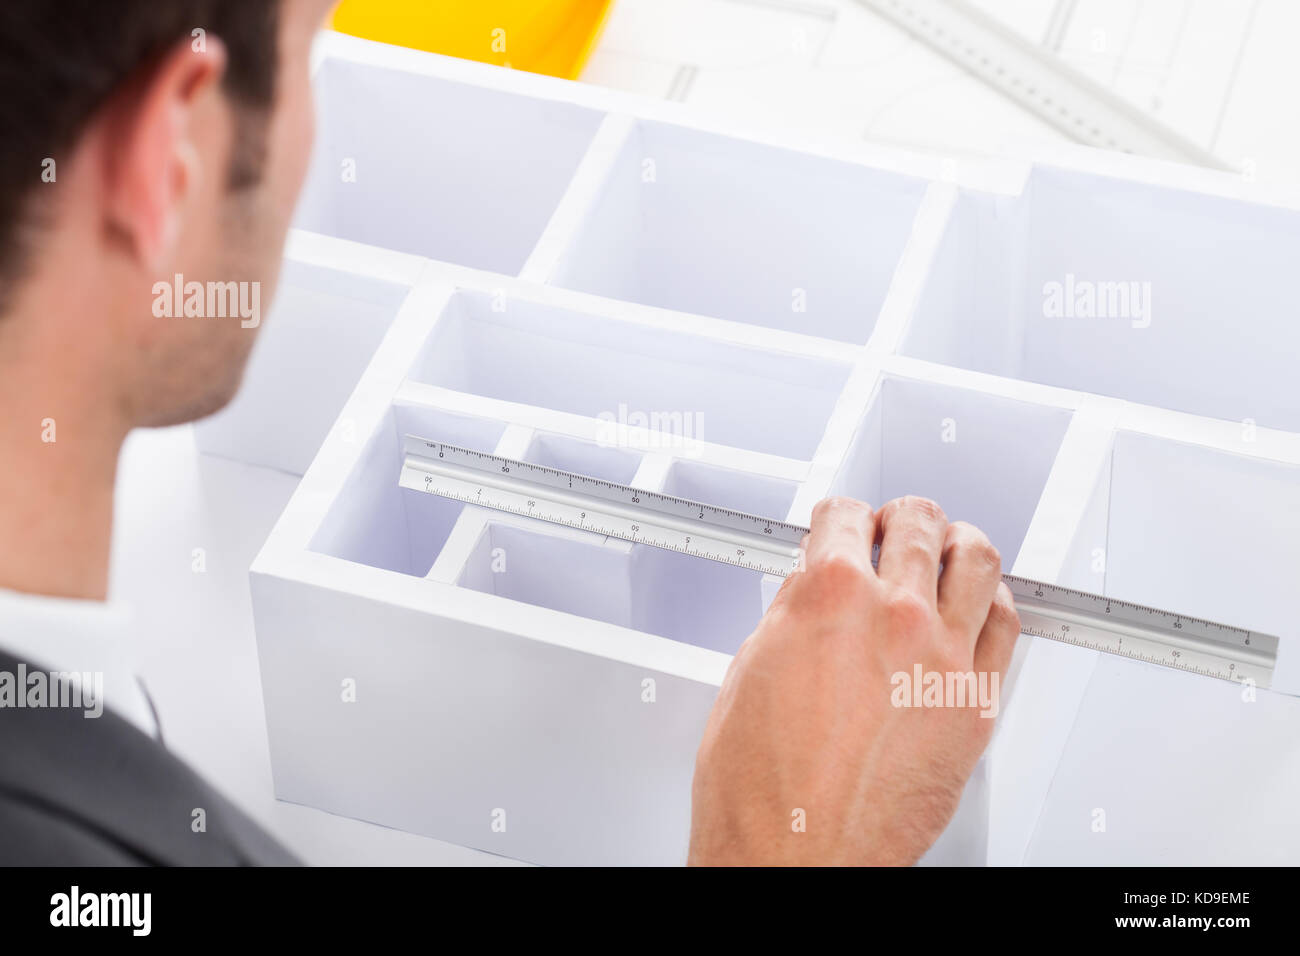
1092	357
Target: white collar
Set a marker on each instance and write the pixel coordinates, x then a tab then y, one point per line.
70	635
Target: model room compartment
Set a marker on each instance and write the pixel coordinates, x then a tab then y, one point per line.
374	521
702	223
985	458
1206	532
725	488
678	386
437	168
1155	295
1198	530
683	598
582	457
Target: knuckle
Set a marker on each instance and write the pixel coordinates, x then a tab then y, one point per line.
840	503
965	532
911	540
988	555
907	612
840	570
820	508
1003	613
926	508
972	541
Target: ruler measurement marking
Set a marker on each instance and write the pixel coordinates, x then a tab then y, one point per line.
1051	611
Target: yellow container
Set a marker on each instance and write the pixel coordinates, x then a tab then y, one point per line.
541	36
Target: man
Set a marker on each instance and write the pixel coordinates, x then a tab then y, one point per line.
141	139
144	140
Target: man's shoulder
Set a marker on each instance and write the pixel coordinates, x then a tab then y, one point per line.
97	788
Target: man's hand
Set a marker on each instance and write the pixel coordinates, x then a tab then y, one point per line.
809	756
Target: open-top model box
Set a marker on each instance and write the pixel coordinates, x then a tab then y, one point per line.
571	277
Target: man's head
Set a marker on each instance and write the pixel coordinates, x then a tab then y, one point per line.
144	141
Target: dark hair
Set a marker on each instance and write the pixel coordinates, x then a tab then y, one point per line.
61	60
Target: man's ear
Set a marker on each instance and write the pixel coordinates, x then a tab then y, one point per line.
152	163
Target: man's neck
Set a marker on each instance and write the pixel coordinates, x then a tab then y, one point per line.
59	443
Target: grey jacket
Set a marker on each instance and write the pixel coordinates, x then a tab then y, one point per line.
85	792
